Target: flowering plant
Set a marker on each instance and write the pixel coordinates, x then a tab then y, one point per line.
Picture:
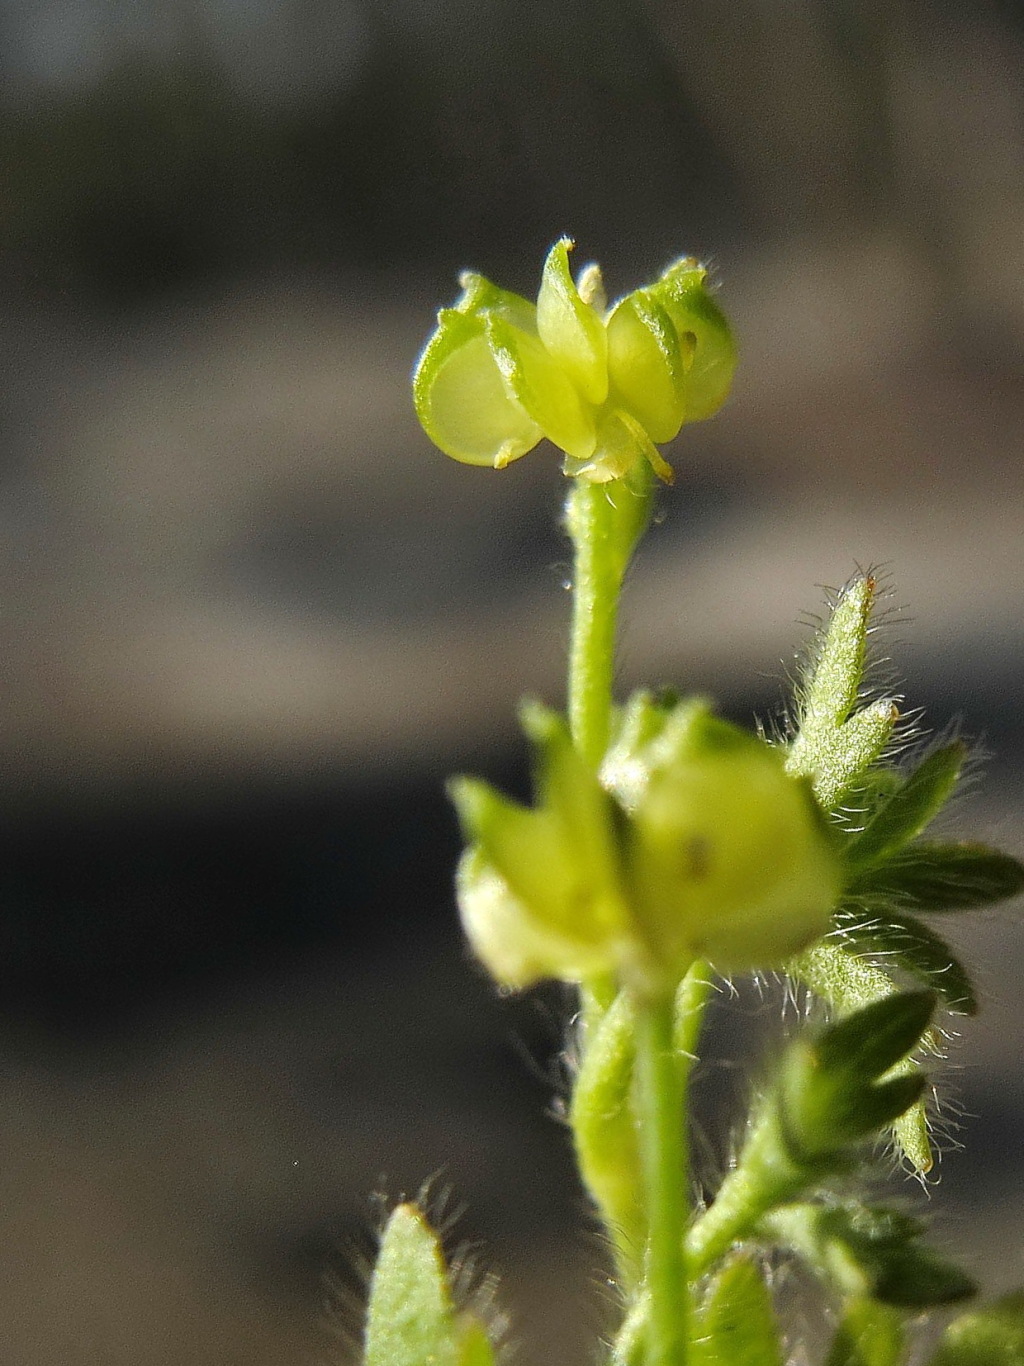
667	848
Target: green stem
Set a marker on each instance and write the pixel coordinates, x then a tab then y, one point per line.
604	522
660	1086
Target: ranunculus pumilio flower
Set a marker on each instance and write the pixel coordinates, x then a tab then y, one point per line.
695	843
604	385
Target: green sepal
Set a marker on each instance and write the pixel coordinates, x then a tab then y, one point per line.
736	1325
646	364
910	808
906	943
932	876
410	1319
865	1251
462	400
990	1336
702	329
869	1334
846	981
833	1090
541	387
572	332
604	1130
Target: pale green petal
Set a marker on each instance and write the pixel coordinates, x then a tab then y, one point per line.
534	380
516	947
462	401
569	328
647	365
694	313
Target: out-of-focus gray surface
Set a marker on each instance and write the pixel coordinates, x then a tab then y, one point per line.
235	577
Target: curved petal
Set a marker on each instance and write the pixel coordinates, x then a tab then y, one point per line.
536	382
569	328
646	364
693	311
462	400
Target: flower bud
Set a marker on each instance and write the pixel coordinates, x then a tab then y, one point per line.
539	890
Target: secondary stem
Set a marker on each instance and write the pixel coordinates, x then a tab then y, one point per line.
660	1085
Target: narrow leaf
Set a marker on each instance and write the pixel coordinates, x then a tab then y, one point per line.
879	1035
942	877
410	1320
846	981
907	943
911	807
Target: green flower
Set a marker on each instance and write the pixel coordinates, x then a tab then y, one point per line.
499	373
694	843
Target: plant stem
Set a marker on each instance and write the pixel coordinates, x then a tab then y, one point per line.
597	582
604	522
660	1082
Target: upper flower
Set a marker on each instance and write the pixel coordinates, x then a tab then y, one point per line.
604	385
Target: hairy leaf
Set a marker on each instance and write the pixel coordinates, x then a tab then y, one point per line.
941	877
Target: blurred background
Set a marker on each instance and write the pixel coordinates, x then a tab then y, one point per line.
250	619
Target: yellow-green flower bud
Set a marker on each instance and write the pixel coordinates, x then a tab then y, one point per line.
539	890
603	385
727	856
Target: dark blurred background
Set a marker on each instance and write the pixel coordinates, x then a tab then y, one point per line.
250	619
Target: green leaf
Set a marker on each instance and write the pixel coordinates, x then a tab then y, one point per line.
835	745
832	1089
410	1318
870	1334
910	945
991	1336
911	807
736	1326
942	877
875	1038
847	981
